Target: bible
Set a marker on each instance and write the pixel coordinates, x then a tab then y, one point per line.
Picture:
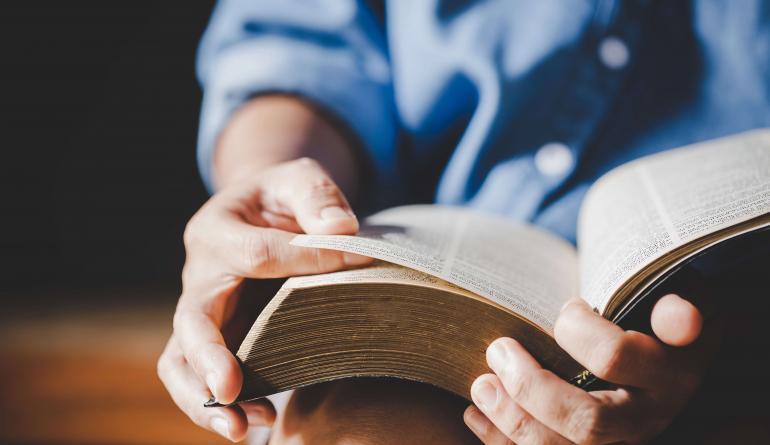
447	280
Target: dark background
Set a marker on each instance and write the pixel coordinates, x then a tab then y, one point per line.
98	121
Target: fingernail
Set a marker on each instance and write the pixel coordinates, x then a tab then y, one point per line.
485	395
475	421
220	425
497	355
351	259
333	213
211	382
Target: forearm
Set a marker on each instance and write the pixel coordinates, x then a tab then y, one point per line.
272	129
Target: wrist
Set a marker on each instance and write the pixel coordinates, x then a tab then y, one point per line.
271	129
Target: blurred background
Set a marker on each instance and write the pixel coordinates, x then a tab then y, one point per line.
98	121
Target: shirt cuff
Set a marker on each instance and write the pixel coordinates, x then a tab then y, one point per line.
356	89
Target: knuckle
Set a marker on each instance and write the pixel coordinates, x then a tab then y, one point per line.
183	317
258	252
178	321
180	318
586	425
188	275
195	231
517	427
306	162
320	188
163	367
608	357
567	322
190	234
519	384
572	313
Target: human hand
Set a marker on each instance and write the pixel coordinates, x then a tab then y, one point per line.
523	403
244	232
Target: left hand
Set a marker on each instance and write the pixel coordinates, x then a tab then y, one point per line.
523	403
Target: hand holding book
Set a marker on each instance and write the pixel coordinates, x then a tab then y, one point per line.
454	281
521	402
244	232
450	282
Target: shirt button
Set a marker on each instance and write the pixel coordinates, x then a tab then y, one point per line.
613	53
553	159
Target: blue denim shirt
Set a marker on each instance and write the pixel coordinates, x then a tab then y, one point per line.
512	106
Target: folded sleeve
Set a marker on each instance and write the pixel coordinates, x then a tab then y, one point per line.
332	53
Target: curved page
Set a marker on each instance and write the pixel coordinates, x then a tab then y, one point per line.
518	266
647	208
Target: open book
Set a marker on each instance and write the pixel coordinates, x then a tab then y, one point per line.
450	280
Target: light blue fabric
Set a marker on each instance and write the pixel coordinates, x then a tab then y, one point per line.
453	101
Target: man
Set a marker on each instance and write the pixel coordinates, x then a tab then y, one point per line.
508	106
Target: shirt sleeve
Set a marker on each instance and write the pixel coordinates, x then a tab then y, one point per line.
331	52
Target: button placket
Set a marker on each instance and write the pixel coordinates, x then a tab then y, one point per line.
613	53
582	110
554	159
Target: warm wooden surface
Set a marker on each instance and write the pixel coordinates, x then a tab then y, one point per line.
85	374
76	371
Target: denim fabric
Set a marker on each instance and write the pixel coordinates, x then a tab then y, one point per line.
511	106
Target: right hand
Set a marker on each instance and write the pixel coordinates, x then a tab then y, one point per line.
244	232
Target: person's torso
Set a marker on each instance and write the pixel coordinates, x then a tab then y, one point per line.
517	106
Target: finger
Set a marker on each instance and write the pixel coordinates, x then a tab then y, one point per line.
203	346
277	221
257	252
483	428
188	392
676	321
509	418
609	352
307	192
562	407
259	412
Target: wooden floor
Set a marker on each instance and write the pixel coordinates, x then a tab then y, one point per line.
85	374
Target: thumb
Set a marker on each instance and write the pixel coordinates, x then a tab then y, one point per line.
318	205
676	321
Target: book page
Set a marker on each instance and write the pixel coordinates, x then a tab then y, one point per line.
518	266
378	272
644	209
